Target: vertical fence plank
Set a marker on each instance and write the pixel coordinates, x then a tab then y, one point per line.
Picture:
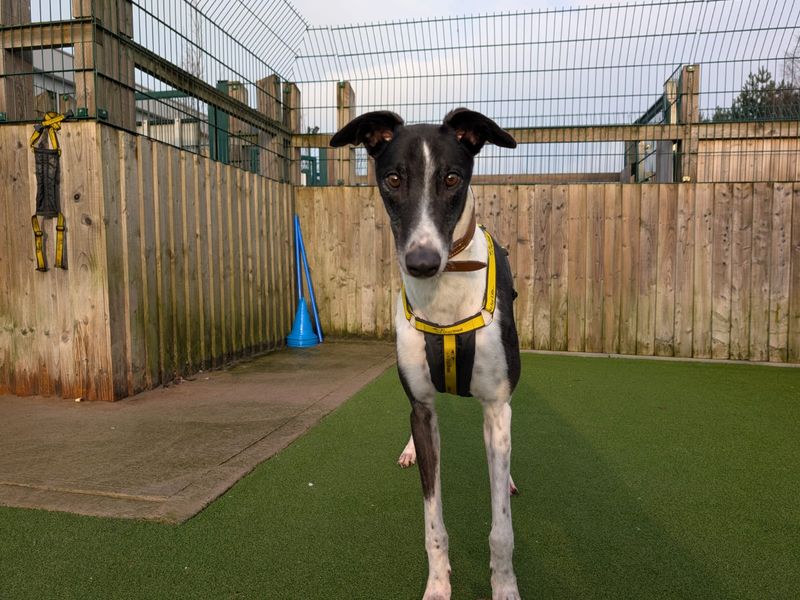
612	266
523	276
559	290
759	303
703	257
18	179
780	254
135	288
648	270
227	301
684	271
116	232
191	291
178	258
368	265
287	195
248	223
384	249
164	297
150	252
595	272
793	354
323	242
741	252
542	268
721	272
631	200
352	249
235	266
507	223
205	270
665	286
272	281
219	242
239	207
576	268
338	299
87	265
39	358
9	150
259	224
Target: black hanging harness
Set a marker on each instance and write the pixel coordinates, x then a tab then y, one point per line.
47	179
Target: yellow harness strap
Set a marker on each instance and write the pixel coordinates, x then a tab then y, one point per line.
450	372
469	324
60	228
38	235
51	123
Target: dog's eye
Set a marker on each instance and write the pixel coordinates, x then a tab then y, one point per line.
393	180
451	180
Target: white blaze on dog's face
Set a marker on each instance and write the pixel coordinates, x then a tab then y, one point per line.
423	173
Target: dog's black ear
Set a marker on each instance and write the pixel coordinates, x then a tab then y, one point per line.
474	129
373	129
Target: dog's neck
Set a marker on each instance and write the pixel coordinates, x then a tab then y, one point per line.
450	297
465	228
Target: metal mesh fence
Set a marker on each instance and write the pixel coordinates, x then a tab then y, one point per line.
587	68
705	90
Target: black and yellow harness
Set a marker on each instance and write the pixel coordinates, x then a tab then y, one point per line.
450	349
47	178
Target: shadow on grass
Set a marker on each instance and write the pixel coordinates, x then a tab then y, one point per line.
580	531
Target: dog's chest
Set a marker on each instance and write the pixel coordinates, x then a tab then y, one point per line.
450	297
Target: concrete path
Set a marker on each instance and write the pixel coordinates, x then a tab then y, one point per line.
166	454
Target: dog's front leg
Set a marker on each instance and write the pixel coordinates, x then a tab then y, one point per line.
425	431
497	437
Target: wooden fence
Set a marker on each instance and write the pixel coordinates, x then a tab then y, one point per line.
174	263
690	270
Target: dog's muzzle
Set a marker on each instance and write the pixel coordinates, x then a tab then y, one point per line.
423	262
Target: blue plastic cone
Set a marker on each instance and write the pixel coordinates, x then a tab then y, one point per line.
302	334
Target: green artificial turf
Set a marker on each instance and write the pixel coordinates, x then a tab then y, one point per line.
639	479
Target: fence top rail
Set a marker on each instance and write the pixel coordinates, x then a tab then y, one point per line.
619	133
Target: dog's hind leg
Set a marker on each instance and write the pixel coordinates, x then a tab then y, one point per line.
409	454
497	437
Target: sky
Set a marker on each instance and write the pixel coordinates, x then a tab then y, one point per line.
350	12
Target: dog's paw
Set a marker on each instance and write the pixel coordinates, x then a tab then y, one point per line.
437	591
407	459
505	587
509	592
409	455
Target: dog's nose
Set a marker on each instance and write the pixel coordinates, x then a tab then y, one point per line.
423	262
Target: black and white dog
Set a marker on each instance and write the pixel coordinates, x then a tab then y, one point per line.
454	321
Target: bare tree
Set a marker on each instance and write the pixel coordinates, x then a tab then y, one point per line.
791	64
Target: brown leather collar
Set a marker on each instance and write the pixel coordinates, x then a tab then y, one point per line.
459	245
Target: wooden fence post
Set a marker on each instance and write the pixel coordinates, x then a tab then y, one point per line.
268	103
84	63
16	91
665	151
238	130
111	97
344	157
689	117
291	119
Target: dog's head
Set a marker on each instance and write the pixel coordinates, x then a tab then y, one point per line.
423	173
